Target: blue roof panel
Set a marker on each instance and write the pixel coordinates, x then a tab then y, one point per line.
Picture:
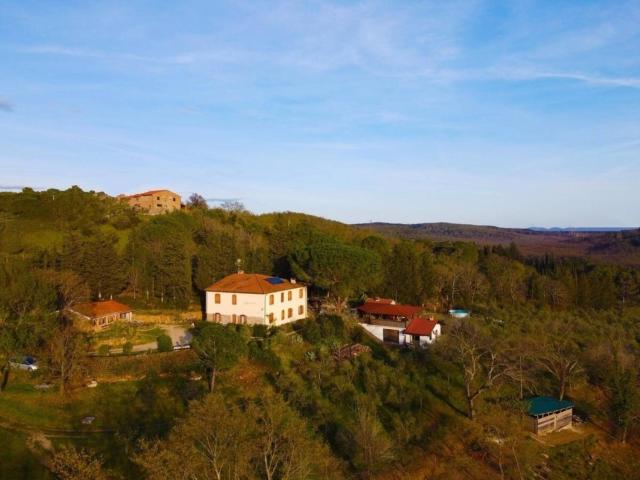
275	280
543	405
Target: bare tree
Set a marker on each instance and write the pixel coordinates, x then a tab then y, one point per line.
67	347
233	206
197	201
477	356
558	354
374	448
71	464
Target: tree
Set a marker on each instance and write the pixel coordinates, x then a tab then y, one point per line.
339	269
218	347
625	399
233	206
403	275
285	449
96	260
244	439
557	353
165	344
206	445
373	447
25	300
67	347
159	254
71	464
477	355
197	201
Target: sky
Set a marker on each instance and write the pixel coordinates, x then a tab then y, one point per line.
514	113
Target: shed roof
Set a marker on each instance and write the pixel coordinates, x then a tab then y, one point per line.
420	326
252	283
391	310
100	309
544	405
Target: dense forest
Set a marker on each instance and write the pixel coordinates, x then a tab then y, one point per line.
544	324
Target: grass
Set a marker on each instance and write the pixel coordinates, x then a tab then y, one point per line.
24	406
121	332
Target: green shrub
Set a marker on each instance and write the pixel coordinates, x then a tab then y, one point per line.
264	356
260	330
165	344
127	348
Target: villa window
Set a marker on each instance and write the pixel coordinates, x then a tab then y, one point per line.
217	298
289	295
270	299
301	310
271	319
234	318
234	299
290	313
282	315
301	293
282	297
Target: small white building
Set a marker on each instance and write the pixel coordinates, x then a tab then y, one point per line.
420	332
397	324
252	298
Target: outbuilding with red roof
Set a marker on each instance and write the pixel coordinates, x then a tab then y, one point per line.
103	313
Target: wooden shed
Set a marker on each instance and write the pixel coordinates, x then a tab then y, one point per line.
549	414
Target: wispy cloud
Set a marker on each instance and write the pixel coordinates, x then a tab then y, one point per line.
588	78
5	105
185	58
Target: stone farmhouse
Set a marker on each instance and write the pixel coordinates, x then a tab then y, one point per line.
252	298
153	202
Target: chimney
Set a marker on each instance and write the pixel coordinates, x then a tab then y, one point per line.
293	280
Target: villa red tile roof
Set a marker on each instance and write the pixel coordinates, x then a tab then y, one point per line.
100	309
420	326
391	310
252	283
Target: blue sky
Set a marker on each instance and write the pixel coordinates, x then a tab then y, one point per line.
513	113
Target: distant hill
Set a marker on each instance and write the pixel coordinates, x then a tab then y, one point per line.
582	229
621	247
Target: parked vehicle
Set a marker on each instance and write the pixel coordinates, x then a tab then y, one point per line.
29	364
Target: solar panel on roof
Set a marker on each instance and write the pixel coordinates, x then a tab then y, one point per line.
275	280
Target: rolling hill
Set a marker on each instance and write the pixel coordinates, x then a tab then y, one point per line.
620	247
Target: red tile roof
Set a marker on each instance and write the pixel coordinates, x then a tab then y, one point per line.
252	283
420	326
386	309
101	309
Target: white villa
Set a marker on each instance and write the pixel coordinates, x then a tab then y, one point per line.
252	298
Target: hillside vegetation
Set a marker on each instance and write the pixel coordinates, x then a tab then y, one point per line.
541	325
